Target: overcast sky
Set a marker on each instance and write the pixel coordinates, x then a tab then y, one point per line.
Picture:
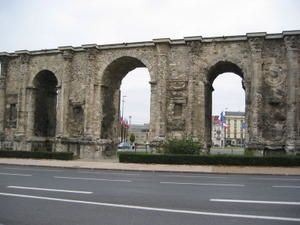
38	24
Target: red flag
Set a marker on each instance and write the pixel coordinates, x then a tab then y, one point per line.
126	125
121	121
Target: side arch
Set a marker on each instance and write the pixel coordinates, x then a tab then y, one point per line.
212	72
111	80
45	99
55	71
229	64
142	61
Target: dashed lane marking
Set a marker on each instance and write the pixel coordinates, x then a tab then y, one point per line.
206	184
16	174
90	178
285	186
194	176
109	173
254	201
166	210
32	169
49	189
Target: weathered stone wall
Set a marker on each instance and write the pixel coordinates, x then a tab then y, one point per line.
181	77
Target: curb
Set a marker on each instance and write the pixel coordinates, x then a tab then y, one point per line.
201	169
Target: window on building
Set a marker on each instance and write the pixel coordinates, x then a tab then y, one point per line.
235	131
0	69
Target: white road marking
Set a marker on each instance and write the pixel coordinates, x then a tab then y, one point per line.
31	169
111	173
282	186
48	189
191	212
16	174
88	178
194	176
279	179
206	184
254	201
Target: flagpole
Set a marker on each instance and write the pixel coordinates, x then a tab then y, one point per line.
224	132
122	118
123	103
223	123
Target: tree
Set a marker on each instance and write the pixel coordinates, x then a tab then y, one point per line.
132	138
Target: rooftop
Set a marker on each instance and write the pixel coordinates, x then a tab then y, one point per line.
232	113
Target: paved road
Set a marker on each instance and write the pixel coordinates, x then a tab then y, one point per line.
50	196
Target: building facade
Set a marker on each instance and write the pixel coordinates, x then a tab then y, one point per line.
235	129
141	133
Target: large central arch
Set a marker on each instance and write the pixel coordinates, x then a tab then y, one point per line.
213	72
110	94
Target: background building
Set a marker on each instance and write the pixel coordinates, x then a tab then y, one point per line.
230	131
141	133
235	128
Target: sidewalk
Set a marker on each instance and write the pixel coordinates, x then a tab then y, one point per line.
114	165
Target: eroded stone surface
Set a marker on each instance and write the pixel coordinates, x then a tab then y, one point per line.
84	103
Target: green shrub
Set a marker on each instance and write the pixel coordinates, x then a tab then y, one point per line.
37	155
184	146
232	160
132	138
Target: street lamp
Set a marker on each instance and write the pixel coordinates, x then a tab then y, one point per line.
130	117
122	118
123	103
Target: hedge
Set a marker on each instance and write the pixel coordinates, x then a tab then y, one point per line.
182	146
232	160
37	155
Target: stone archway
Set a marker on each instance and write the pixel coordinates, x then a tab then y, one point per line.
110	94
181	72
45	83
213	72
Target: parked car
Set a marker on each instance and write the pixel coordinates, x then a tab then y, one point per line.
124	146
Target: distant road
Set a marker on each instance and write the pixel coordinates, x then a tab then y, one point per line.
56	196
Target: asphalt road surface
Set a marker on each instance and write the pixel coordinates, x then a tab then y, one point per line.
56	196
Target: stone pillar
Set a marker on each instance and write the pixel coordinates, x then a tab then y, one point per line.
116	128
256	41
63	93
89	93
153	129
162	48
59	111
292	54
3	73
202	94
196	110
200	110
103	89
207	115
96	110
30	110
22	96
246	86
190	102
